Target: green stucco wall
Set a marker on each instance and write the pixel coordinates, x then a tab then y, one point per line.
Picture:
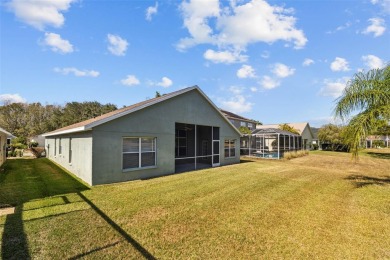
3	144
81	164
306	134
154	121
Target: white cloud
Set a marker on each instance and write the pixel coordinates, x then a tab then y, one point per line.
282	71
237	104
130	80
226	57
333	88
236	26
117	45
377	27
373	62
253	89
150	11
165	82
341	27
339	64
307	62
269	83
323	120
40	14
195	15
236	90
246	71
57	44
385	4
11	98
77	72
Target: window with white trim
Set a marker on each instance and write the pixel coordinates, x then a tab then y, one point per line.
138	152
242	123
230	148
250	125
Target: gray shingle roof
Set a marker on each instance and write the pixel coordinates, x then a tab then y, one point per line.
90	123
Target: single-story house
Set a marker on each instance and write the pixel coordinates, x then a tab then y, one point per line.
40	139
4	135
176	132
373	141
303	129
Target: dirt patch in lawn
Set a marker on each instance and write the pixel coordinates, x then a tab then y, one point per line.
6	209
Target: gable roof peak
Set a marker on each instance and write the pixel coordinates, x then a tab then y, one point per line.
92	122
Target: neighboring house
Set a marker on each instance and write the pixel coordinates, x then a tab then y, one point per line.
303	129
176	132
315	140
377	140
239	121
40	139
4	135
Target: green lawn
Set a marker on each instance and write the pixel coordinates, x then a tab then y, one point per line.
320	206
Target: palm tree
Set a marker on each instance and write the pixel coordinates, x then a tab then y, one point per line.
288	128
368	95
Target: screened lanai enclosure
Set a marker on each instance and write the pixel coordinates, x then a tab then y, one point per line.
196	147
270	143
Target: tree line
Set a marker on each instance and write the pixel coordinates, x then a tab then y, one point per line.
26	120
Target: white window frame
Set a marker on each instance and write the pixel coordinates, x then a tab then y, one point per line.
140	153
243	123
250	125
227	156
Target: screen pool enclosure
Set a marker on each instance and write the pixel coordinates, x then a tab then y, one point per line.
270	143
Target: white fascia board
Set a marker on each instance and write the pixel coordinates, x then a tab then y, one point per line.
105	120
9	135
67	131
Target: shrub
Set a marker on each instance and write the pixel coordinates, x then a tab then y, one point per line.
17	140
295	154
18	153
315	146
19	146
33	144
378	143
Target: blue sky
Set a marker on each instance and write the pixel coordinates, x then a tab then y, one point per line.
275	61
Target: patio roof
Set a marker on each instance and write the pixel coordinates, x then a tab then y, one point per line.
272	131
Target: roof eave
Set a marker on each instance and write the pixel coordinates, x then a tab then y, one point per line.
108	119
67	131
163	98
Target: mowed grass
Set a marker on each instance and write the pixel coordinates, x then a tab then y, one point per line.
322	206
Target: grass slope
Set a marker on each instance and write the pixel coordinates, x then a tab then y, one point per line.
320	206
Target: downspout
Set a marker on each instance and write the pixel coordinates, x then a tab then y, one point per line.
278	147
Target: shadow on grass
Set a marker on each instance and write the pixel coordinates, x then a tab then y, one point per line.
120	230
93	251
23	180
379	155
362	181
14	241
246	161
